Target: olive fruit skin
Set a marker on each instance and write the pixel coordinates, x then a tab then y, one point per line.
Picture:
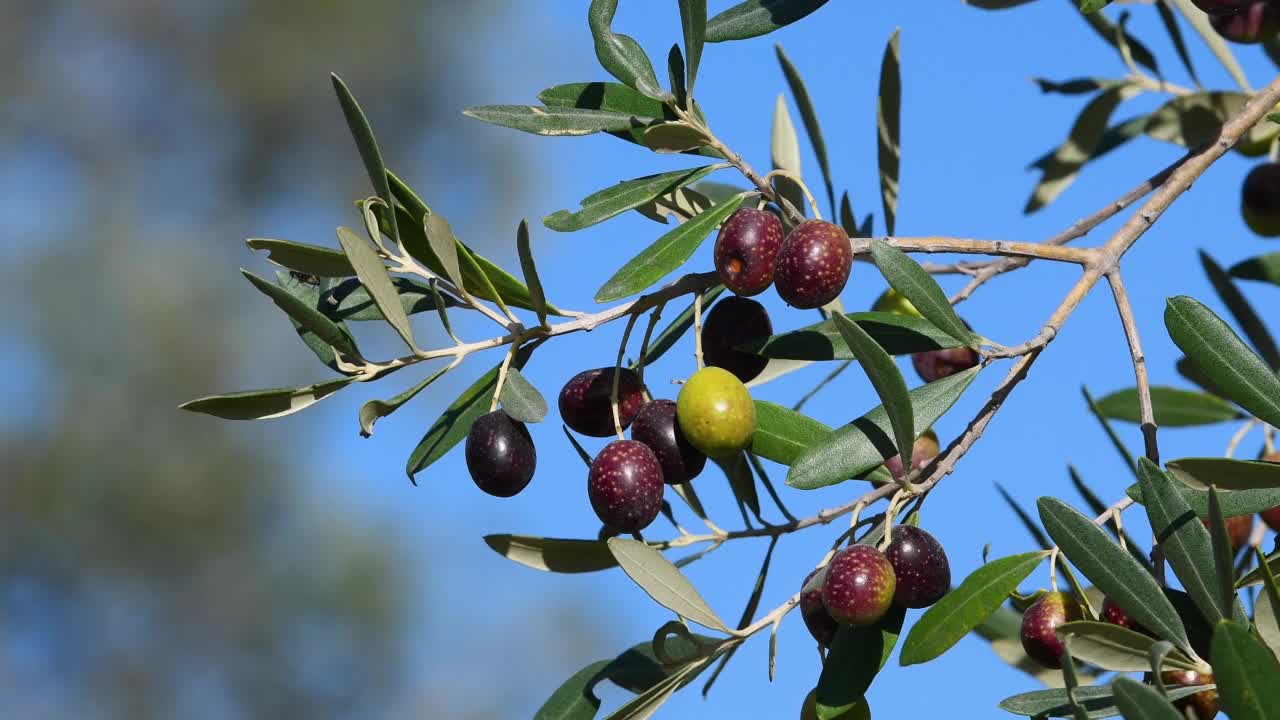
655	426
933	365
820	623
1260	200
584	401
1253	23
1040	623
926	448
732	322
1116	615
500	454
1239	528
746	250
892	301
860	585
1271	517
716	413
1204	705
813	265
919	565
625	485
1220	7
809	711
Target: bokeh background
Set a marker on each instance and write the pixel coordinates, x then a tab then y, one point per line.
155	564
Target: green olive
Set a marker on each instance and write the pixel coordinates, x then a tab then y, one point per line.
892	301
716	413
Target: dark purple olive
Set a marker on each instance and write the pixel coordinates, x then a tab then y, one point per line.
820	623
585	406
1260	200
732	322
1255	22
747	249
920	566
813	265
625	485
933	365
500	454
655	425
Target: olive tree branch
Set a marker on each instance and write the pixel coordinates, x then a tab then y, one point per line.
1146	411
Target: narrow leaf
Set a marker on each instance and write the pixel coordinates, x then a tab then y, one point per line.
809	116
666	254
1223	555
620	54
693	21
964	608
1115	648
367	145
782	434
856	657
664	582
1173	407
897	334
888	131
627	195
574	699
305	315
1182	537
1223	357
1142	702
307	259
888	382
1110	431
1264	268
530	271
864	443
555	121
1225	473
521	400
1084	143
917	285
1246	673
1242	311
1099	701
553	554
265	404
1112	570
374	410
377	281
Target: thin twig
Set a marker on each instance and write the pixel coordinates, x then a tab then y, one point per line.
1146	410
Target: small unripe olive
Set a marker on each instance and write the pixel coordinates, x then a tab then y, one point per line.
716	413
892	301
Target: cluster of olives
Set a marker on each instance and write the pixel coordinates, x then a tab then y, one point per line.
713	416
860	583
1041	641
809	266
1243	21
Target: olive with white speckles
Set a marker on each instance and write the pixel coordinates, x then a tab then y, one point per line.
820	623
1116	615
860	585
655	425
813	264
919	565
933	365
732	322
585	406
1202	705
716	413
500	454
625	485
747	249
1040	624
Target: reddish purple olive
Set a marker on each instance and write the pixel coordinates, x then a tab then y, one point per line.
820	623
933	365
860	585
1040	625
919	565
746	250
1203	705
500	454
655	426
1271	517
924	450
1239	528
813	265
585	406
1260	200
1220	7
1255	22
732	322
625	485
1116	615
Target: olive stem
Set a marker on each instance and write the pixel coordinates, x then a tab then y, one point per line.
1146	409
697	329
502	375
644	344
795	178
1239	436
617	377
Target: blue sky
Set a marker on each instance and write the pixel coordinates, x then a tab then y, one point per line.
972	121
